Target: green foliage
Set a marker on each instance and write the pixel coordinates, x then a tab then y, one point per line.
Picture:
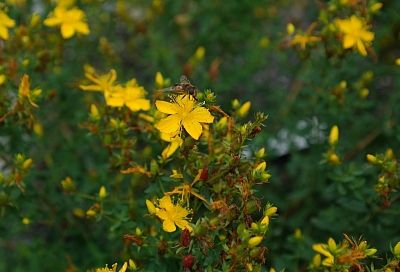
84	176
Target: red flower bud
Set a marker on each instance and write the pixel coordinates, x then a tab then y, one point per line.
204	173
185	238
188	261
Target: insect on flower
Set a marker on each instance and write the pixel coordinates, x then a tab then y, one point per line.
184	87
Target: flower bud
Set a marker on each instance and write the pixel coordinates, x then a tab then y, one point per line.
271	211
90	213
255	241
68	184
372	159
397	61
375	7
94	112
265	220
235	104
200	52
334	159
260	153
26	221
290	28
27	164
244	109
138	231
334	135
102	192
396	250
150	207
185	238
188	261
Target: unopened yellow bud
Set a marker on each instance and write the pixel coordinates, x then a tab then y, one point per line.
372	159
370	251
38	129
159	80
150	207
331	244
376	7
343	84
26	221
35	20
78	212
27	164
334	159
68	184
235	104
397	61
396	250
138	231
260	153
221	124
102	192
316	261
255	241
244	109
389	154
2	79
265	220
290	28
90	213
271	211
94	112
334	135
261	166
200	52
363	93
298	234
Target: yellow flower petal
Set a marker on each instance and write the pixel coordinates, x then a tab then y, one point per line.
169	226
67	31
169	124
172	147
348	41
361	48
138	104
166	107
193	128
201	115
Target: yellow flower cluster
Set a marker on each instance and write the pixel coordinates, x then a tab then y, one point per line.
117	95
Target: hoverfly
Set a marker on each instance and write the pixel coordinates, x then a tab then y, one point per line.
184	87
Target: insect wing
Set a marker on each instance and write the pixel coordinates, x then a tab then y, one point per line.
184	80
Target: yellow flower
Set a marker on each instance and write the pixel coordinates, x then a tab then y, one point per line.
131	95
172	215
323	249
5	23
183	112
102	83
303	40
70	21
355	33
113	268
